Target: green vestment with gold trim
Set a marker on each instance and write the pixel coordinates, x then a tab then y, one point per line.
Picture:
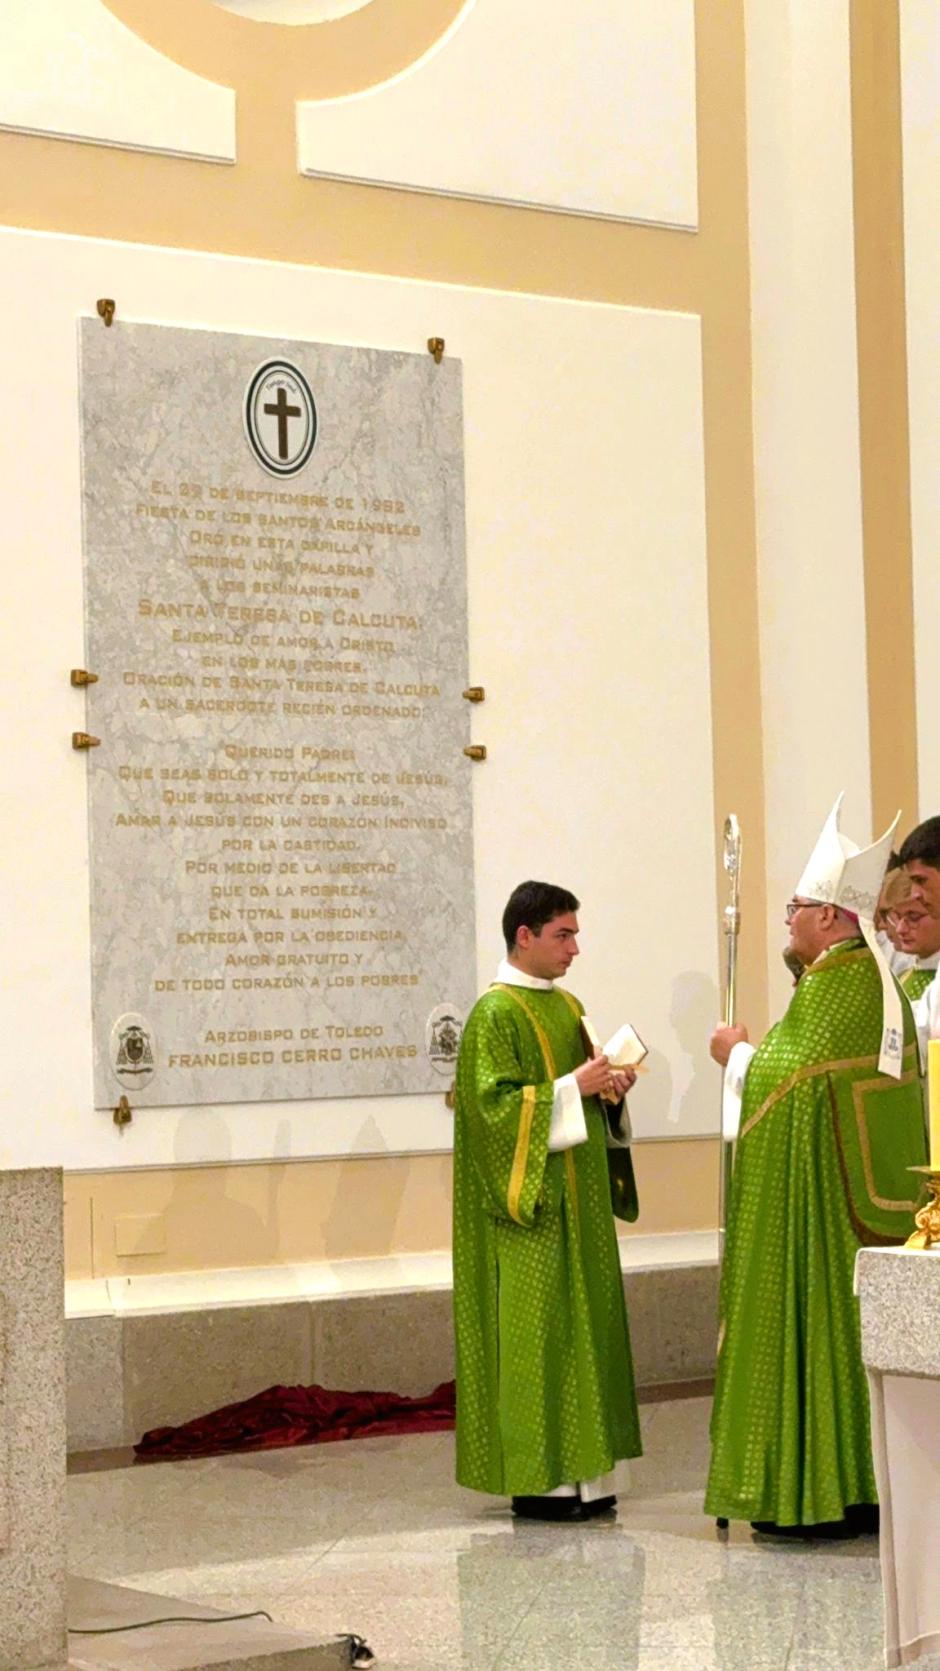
545	1389
821	1169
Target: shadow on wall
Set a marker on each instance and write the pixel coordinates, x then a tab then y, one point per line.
653	1094
367	1215
360	1205
232	1226
694	1012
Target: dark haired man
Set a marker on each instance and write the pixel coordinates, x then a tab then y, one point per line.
545	1393
920	856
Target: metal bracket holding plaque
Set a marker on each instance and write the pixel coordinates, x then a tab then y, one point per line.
123	1113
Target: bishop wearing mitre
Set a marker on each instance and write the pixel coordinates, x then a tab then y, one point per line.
828	1117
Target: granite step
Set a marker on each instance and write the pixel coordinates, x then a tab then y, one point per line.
245	1645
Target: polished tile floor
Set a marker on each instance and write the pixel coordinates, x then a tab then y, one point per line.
373	1536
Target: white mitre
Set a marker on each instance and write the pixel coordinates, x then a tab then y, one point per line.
841	873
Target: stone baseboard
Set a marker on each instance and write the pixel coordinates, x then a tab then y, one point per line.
131	1370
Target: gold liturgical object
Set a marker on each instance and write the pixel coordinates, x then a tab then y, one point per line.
927	1219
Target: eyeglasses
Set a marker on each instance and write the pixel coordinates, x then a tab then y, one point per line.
898	919
794	905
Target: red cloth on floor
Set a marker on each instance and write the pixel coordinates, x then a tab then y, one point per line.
299	1416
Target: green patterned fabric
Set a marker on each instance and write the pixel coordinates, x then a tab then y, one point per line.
916	981
821	1168
545	1389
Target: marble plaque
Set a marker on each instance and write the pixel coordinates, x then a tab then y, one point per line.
280	808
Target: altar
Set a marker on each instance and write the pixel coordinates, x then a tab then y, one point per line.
899	1295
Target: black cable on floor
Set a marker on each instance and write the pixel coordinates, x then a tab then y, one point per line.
172	1619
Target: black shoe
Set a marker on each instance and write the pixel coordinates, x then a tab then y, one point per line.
567	1509
831	1530
548	1508
600	1505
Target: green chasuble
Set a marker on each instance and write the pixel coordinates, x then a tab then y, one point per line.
821	1169
916	981
545	1390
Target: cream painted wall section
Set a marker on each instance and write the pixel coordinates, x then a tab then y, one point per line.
238	1217
806	436
264	208
588	108
74	70
588	610
920	72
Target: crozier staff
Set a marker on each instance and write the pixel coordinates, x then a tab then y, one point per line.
545	1392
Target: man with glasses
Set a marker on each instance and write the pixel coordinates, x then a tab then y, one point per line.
828	1117
895	891
918	933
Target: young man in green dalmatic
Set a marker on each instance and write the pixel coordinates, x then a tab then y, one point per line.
546	1403
828	1118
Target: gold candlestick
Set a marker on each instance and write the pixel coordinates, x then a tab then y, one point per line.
927	1234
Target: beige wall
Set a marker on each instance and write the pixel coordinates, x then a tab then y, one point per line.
261	207
831	429
218	1217
810	560
881	324
918	267
203	1216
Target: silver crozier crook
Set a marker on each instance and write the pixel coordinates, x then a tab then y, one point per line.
731	921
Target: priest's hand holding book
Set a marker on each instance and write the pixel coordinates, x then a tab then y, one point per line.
621	1055
596	1078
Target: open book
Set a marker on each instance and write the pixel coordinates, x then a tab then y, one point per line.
624	1050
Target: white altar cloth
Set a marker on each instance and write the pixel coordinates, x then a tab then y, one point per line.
899	1292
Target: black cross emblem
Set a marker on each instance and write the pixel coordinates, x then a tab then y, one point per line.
281	411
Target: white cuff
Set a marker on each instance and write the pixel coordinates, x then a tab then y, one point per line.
567	1127
733	1089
